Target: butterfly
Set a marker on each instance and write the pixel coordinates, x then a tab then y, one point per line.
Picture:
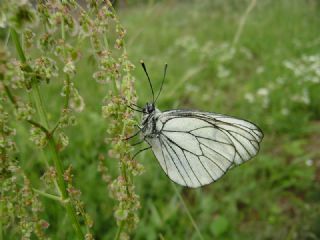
196	148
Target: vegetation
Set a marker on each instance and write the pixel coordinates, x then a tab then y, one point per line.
66	80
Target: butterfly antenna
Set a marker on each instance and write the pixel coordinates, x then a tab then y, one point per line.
145	70
164	77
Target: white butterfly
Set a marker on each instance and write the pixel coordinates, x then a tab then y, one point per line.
196	148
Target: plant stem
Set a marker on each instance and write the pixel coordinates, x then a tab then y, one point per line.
1	217
69	207
66	104
118	231
47	195
114	81
123	165
52	146
39	105
187	211
243	21
17	43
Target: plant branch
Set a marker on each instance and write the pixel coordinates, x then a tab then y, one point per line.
38	125
10	96
18	46
119	231
52	146
1	217
66	104
194	224
14	102
47	195
55	128
243	21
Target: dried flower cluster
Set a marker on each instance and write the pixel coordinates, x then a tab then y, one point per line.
19	204
114	69
48	39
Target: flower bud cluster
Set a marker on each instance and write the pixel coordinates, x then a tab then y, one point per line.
47	53
19	204
115	71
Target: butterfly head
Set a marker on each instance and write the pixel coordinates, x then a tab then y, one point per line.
148	108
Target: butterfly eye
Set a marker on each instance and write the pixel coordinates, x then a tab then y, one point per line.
150	108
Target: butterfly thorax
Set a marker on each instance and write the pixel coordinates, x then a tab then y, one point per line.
149	119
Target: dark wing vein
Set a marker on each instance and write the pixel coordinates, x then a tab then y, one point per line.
164	159
249	140
213	140
169	155
236	150
233	137
183	149
179	161
240	143
214	163
242	127
208	120
185	157
215	152
246	130
239	135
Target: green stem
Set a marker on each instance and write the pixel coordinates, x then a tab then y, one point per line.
7	38
114	81
69	207
3	160
1	217
17	43
47	195
124	174
66	104
52	146
10	96
122	163
13	101
187	211
243	21
39	106
118	231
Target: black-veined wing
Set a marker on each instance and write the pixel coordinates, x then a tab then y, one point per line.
197	148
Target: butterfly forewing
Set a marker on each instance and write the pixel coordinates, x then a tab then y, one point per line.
197	148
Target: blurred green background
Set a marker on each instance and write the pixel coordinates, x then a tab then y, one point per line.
271	76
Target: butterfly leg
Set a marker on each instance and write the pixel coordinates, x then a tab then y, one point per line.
130	104
137	143
134	109
135	134
140	151
135	105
